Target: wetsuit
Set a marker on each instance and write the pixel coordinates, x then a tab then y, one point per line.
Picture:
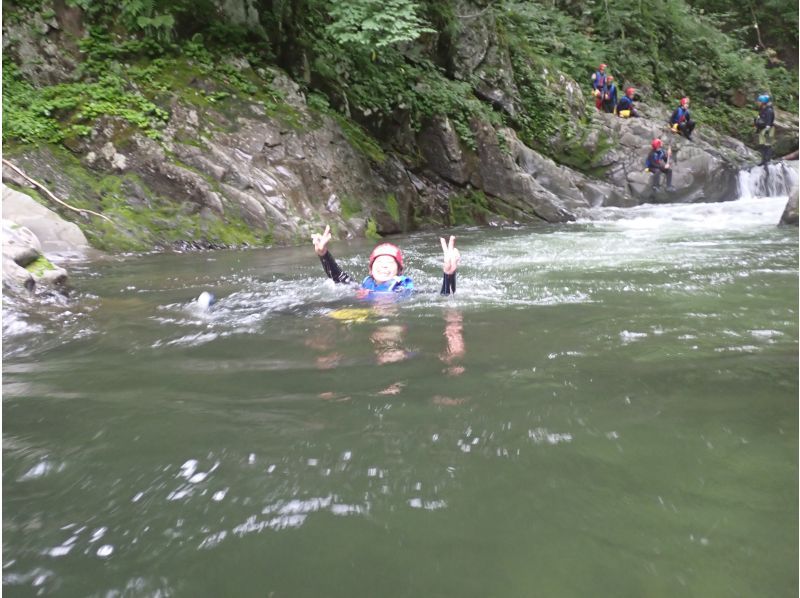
657	163
598	85
681	122
625	108
765	125
610	98
398	284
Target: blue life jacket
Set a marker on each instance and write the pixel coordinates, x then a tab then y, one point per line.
680	115
625	104
655	159
599	80
611	90
398	284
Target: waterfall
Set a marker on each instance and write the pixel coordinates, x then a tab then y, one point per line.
773	181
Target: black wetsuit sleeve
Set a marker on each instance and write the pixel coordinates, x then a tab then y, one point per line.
448	284
333	270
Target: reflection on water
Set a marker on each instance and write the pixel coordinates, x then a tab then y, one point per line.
605	408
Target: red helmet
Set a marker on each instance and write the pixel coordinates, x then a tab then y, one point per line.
630	91
610	78
656	144
390	250
602	66
684	101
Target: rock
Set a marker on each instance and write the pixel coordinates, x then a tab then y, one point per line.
52	233
15	277
790	216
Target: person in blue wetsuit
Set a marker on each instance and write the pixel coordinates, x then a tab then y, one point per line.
386	268
658	162
599	85
625	108
610	96
681	120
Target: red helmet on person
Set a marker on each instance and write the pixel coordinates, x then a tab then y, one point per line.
602	66
684	101
610	78
630	91
390	250
656	144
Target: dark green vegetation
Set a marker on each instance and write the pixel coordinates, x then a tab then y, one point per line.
384	68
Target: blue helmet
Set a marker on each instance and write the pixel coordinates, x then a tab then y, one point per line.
763	98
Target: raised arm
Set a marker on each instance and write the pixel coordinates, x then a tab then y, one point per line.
452	257
330	266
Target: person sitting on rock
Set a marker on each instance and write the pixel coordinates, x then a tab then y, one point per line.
765	126
625	107
386	268
658	162
610	95
598	85
681	120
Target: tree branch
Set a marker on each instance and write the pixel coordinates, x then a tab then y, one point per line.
50	193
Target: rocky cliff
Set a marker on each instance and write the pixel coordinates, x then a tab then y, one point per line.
236	171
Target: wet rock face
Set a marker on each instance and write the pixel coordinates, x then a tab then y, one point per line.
790	216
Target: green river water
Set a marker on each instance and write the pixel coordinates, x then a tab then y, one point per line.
605	408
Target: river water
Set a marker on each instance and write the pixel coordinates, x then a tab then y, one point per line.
605	408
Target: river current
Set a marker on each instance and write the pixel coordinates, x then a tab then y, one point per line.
605	408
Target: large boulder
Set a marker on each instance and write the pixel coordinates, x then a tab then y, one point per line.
704	169
789	216
29	231
52	233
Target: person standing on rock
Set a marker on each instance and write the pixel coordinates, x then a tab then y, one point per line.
625	108
681	120
610	96
599	85
765	126
658	162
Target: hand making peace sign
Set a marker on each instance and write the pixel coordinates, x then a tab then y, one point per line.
321	241
452	256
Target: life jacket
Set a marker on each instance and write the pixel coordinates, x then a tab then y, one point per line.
655	159
680	115
611	90
766	117
398	284
598	80
624	107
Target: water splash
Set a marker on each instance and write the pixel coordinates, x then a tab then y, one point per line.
773	181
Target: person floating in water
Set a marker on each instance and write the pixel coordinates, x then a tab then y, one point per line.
386	267
681	120
658	162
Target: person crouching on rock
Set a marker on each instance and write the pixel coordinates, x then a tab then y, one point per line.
598	85
625	107
658	162
681	120
386	268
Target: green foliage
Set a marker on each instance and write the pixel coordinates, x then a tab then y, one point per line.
39	266
392	207
471	208
776	20
372	230
350	207
53	114
375	24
